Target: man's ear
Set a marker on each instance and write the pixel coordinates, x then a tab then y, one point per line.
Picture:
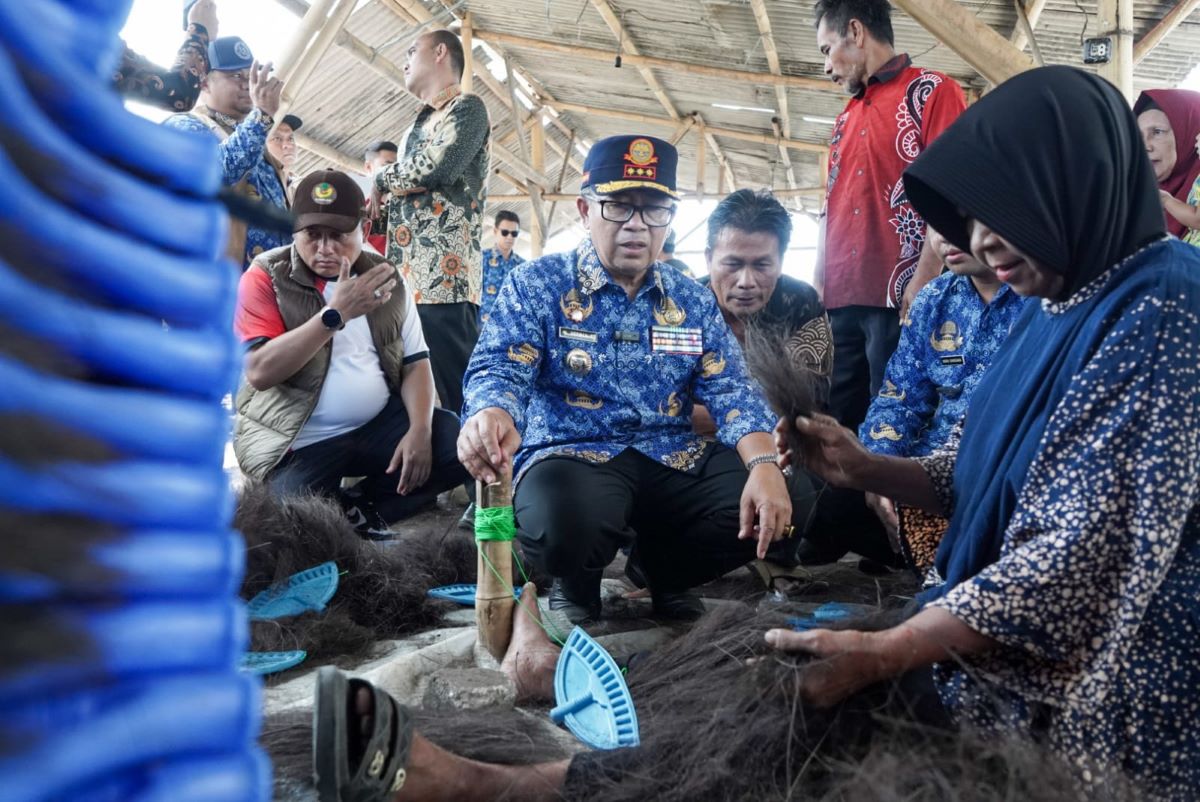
441	53
581	203
858	32
366	228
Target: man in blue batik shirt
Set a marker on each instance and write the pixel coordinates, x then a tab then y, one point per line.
956	324
583	382
498	262
238	101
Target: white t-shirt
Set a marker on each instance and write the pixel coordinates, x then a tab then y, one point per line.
355	389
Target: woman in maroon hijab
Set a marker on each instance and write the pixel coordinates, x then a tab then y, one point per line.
1170	124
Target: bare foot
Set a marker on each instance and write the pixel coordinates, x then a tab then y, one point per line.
531	656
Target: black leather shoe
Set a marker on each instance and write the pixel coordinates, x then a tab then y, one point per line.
574	611
682	606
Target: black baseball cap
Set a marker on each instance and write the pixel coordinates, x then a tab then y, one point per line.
229	53
328	198
292	121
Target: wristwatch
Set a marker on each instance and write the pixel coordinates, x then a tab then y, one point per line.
332	319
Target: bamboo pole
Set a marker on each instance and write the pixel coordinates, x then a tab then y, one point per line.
494	594
670	65
701	164
332	155
1169	22
1023	31
537	150
468	45
299	73
313	18
992	56
1115	18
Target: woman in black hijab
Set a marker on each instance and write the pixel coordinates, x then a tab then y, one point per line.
1067	602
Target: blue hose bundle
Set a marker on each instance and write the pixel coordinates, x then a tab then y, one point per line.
119	619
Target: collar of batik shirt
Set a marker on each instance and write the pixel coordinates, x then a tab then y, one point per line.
590	274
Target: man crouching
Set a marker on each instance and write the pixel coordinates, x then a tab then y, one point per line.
584	381
337	380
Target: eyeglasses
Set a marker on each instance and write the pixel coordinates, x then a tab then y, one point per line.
653	216
506	233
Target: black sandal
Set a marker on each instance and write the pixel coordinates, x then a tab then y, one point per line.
344	768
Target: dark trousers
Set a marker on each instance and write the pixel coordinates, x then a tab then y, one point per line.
573	516
366	451
450	331
864	338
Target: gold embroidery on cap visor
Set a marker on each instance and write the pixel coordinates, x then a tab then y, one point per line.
612	187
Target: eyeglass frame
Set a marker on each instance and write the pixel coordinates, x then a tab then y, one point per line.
634	209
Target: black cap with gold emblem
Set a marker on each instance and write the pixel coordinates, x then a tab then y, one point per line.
619	163
328	198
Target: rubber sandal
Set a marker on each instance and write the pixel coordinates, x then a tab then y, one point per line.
380	770
261	663
304	592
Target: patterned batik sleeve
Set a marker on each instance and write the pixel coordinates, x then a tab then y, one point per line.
939	466
906	402
507	357
240	152
1101	513
446	156
723	385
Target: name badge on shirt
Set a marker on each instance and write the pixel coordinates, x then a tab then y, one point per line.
566	333
952	360
677	340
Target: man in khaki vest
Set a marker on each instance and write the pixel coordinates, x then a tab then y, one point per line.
337	379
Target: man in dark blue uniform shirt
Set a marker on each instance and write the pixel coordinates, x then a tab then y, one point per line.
584	380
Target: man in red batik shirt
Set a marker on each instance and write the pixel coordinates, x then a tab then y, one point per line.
872	258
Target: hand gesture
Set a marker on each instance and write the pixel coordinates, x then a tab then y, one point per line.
414	459
828	449
357	295
766	508
846	661
204	13
265	89
487	442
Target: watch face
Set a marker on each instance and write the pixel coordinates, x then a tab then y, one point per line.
332	319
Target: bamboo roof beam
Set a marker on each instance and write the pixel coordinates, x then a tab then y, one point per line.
298	72
627	45
992	56
671	65
783	128
729	133
1033	12
1170	21
330	154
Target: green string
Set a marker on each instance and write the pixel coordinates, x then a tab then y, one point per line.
494	523
498	524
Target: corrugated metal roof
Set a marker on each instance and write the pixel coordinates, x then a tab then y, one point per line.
347	104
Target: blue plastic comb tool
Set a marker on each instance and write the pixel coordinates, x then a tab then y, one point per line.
270	662
460	594
821	617
307	591
591	695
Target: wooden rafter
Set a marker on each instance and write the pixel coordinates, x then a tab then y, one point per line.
1033	13
1168	23
730	133
671	65
298	72
629	49
783	128
992	56
1115	18
330	154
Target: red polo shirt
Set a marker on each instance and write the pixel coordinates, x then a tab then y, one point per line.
873	237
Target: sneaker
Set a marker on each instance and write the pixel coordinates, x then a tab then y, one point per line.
367	521
682	606
575	612
467	521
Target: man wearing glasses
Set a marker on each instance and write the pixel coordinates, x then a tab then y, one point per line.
583	381
337	376
499	261
238	101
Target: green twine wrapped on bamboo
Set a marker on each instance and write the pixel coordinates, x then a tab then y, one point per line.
495	529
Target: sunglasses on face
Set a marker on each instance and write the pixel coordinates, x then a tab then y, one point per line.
509	233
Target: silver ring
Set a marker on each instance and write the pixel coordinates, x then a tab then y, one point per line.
379	293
